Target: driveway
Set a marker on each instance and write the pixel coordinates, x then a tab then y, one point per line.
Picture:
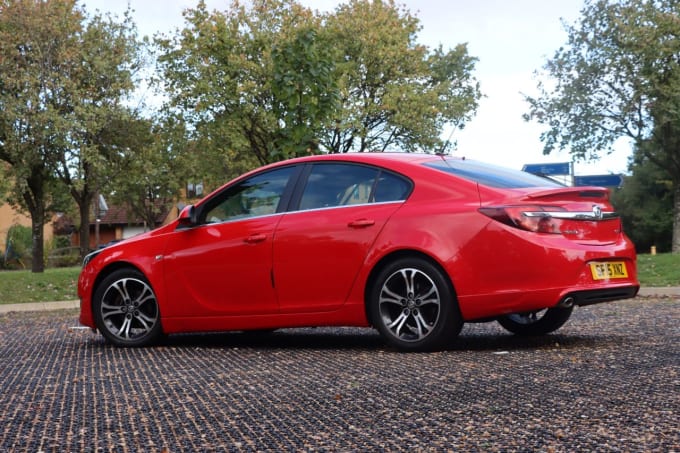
607	381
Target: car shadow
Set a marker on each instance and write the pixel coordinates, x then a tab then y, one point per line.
366	339
509	342
307	338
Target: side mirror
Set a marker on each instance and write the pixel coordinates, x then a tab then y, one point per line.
187	218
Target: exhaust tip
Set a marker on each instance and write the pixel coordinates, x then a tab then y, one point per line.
567	302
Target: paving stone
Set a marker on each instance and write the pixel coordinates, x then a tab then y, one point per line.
607	381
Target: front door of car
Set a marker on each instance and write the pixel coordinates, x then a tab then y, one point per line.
223	265
320	248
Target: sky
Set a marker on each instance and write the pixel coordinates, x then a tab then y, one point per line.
511	39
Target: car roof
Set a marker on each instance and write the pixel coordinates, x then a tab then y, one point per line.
394	161
372	157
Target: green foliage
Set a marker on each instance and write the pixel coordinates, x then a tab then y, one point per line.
35	38
158	163
644	202
63	76
60	253
63	257
18	247
395	93
237	80
275	80
61	242
105	67
618	76
302	107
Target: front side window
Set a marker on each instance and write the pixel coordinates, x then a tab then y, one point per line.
341	184
256	196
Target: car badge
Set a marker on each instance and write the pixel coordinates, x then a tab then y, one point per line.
597	212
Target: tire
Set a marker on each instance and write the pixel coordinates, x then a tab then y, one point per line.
413	306
126	310
536	322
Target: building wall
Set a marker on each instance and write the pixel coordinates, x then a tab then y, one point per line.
9	216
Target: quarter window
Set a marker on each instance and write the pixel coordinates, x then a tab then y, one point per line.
391	187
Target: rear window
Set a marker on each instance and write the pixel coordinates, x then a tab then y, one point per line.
490	175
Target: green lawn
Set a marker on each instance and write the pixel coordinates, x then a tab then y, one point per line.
52	285
659	270
60	284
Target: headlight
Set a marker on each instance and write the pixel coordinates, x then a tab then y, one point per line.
90	256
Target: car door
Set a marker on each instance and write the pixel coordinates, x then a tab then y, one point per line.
223	265
320	248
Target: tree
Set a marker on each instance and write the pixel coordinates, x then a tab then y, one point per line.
303	108
618	76
395	93
275	81
253	84
157	161
63	79
644	202
102	72
35	37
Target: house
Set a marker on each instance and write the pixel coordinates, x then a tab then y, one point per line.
117	223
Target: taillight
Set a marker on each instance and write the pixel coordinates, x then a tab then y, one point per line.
538	219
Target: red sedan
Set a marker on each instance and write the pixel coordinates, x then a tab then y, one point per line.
411	244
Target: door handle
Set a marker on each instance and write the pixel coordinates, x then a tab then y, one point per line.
255	238
361	223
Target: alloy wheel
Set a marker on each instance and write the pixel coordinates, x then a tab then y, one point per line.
129	310
409	304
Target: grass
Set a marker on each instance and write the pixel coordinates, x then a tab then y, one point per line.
60	283
659	270
55	284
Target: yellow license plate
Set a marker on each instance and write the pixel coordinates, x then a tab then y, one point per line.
609	269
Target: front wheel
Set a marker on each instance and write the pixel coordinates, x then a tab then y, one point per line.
536	322
413	307
126	310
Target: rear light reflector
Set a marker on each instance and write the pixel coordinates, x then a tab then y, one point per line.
539	219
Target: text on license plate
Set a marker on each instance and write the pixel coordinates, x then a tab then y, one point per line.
609	269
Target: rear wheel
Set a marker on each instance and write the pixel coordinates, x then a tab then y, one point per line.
413	307
126	310
536	322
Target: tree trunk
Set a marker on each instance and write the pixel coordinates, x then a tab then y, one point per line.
37	230
676	219
34	198
84	203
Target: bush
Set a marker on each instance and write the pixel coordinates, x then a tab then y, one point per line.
64	257
18	247
61	242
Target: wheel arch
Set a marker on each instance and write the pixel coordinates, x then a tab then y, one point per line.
397	255
108	270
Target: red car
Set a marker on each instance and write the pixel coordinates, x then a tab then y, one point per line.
411	244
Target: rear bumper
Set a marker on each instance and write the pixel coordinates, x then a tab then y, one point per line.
596	296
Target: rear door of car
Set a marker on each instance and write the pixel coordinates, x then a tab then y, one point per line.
321	245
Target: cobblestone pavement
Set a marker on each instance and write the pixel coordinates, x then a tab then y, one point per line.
607	381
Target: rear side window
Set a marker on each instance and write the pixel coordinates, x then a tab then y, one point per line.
491	175
342	184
